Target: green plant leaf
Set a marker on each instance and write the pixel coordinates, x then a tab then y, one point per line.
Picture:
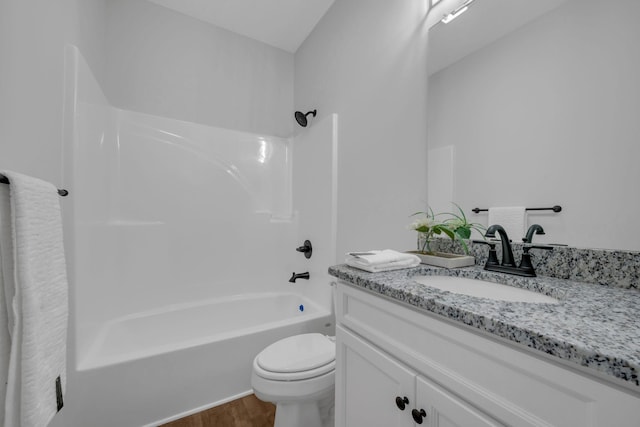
455	226
464	247
449	233
463	232
464	217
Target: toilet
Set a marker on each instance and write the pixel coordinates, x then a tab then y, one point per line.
297	374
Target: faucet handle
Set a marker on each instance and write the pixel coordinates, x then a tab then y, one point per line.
306	249
533	229
527	246
525	263
492	259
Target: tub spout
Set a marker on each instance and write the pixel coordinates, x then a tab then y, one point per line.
295	276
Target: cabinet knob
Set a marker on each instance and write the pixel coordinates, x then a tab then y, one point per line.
401	402
418	415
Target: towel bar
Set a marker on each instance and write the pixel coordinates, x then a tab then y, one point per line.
555	208
5	180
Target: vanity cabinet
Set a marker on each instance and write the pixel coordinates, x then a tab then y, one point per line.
445	409
377	390
370	385
391	355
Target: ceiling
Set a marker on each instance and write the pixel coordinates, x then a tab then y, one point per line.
281	23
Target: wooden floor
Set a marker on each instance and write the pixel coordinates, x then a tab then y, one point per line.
246	412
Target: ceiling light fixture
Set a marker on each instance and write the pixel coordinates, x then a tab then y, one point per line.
456	12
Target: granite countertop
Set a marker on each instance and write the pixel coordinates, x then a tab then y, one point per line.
594	326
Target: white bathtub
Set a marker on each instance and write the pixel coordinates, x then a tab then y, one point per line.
153	367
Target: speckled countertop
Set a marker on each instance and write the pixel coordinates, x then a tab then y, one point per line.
594	326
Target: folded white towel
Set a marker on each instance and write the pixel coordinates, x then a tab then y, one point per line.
512	218
380	257
378	261
37	302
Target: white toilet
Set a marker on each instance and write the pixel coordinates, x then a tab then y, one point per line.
297	374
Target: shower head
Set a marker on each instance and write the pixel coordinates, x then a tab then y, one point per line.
302	118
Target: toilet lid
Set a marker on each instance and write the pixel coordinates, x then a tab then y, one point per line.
297	353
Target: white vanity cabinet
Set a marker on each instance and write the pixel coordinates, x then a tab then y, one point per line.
377	390
451	375
370	384
444	409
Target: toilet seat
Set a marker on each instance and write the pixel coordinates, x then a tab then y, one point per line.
294	376
296	358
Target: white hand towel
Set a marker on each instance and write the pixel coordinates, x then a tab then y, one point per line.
512	218
378	261
39	308
6	270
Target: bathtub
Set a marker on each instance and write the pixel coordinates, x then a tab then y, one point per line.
154	367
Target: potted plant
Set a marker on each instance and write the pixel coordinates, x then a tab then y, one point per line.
455	226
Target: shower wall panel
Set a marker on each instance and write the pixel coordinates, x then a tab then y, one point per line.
168	211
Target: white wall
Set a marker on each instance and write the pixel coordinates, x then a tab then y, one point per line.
164	63
365	61
314	196
33	36
549	115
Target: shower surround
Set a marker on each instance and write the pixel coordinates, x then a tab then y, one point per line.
170	221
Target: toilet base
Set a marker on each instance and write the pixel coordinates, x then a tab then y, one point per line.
317	413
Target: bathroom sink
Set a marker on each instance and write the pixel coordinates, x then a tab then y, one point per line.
483	289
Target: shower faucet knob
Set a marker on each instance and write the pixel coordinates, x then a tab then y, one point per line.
306	249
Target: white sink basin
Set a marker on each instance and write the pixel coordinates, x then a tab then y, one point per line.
482	289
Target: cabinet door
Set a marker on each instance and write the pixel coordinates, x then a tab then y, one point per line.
443	409
368	382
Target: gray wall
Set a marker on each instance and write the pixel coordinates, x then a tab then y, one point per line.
33	35
164	63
